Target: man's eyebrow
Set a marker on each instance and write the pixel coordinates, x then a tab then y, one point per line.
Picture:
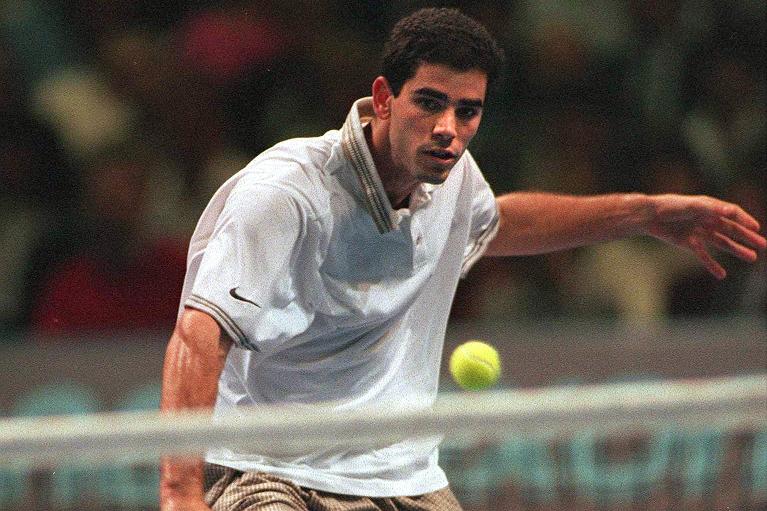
427	91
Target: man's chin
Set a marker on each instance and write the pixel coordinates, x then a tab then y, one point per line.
434	179
435	176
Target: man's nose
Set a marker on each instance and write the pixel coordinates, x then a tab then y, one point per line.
444	129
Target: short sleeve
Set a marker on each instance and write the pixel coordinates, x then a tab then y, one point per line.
484	216
246	278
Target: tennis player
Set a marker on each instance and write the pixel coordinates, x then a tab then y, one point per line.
324	272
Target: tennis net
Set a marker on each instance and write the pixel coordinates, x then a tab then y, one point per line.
687	444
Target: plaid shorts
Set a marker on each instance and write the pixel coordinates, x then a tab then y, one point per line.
227	489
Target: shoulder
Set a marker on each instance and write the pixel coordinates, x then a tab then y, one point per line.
255	202
295	168
297	158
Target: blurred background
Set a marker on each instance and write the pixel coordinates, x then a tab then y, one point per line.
118	120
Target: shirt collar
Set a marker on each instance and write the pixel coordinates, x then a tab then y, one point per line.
356	149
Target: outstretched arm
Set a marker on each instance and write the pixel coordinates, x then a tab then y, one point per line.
535	223
194	360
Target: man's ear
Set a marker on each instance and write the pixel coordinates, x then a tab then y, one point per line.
382	96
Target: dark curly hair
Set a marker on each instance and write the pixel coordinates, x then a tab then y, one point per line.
439	36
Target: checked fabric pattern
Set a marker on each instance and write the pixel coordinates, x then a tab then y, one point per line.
228	489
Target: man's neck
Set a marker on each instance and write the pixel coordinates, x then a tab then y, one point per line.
396	186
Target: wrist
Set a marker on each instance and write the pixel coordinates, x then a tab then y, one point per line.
181	482
642	210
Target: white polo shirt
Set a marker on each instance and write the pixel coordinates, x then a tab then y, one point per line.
331	296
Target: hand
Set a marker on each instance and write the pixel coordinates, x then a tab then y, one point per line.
699	222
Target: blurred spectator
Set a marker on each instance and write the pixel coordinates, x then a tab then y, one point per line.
176	111
752	191
63	90
119	278
726	126
223	44
91	21
629	280
36	184
248	55
692	293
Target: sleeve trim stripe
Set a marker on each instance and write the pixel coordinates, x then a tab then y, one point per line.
226	322
480	245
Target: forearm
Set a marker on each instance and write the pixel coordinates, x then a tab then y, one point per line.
194	360
535	223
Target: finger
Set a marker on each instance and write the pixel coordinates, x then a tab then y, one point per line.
738	215
731	246
699	249
743	234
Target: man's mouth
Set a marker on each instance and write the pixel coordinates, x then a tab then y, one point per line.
442	155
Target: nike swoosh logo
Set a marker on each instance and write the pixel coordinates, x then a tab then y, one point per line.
234	294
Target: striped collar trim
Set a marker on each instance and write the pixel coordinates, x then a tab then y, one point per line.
356	149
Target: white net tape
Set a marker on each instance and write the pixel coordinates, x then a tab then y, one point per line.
731	404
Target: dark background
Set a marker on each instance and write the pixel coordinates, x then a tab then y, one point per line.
118	120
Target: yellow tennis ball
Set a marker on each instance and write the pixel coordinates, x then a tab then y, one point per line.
475	365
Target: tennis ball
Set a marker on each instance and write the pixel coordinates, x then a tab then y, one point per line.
475	365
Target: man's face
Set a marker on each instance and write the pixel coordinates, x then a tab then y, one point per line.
433	119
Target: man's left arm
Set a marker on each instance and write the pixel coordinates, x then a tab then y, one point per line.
536	223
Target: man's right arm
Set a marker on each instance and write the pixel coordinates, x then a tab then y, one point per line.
194	360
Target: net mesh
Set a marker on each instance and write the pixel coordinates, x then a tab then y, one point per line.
670	445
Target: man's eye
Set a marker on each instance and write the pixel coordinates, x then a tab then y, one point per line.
430	105
467	113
